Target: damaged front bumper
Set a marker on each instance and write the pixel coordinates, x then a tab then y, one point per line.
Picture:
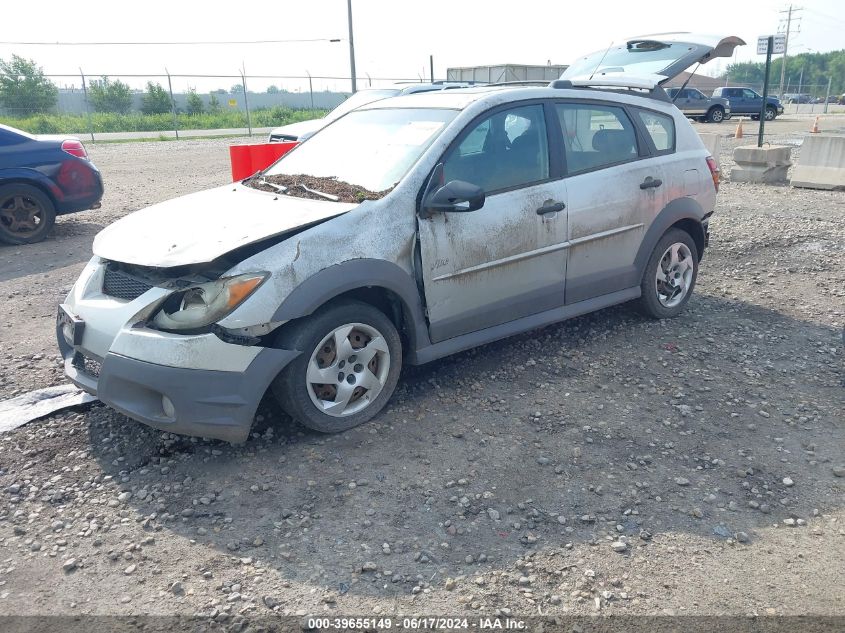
193	385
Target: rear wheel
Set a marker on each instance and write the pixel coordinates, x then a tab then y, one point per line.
670	275
716	115
26	214
349	366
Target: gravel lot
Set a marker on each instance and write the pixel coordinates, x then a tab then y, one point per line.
607	464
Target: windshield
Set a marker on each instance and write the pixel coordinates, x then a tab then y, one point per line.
358	99
636	58
373	149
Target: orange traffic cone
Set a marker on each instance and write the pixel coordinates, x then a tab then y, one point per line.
815	129
738	133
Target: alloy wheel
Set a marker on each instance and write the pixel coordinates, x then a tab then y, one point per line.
21	215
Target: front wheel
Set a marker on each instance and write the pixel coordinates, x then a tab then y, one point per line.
716	115
349	366
770	114
26	214
670	275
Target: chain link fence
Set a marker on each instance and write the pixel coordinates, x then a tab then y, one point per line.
94	105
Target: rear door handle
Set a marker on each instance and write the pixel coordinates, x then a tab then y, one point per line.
650	183
551	208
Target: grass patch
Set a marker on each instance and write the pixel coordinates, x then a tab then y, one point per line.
137	122
169	139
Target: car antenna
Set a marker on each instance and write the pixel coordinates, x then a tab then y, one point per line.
686	82
601	60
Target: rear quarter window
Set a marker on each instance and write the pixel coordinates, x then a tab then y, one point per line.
660	128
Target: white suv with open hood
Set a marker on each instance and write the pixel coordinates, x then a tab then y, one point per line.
411	228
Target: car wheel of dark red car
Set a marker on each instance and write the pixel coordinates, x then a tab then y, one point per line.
26	214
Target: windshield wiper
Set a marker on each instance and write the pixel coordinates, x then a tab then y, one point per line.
279	188
322	194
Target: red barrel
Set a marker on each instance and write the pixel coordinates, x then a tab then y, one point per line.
248	159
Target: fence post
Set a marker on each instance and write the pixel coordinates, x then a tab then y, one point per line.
87	108
172	104
310	89
827	95
246	101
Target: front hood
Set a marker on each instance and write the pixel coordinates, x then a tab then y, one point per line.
294	131
200	227
654	59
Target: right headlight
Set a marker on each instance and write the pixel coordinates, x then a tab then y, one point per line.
202	305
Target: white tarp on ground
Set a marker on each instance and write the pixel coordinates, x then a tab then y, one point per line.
19	410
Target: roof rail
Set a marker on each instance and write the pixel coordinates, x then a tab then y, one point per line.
526	82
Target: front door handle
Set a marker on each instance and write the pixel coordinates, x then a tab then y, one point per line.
650	183
551	208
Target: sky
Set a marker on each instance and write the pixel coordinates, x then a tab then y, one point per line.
392	39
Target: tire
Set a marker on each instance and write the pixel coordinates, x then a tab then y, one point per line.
716	115
26	214
771	113
666	299
342	402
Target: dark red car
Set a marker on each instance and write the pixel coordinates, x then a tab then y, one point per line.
42	177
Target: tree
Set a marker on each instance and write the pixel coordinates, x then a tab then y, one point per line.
110	96
272	90
812	70
156	100
23	87
237	89
194	102
213	103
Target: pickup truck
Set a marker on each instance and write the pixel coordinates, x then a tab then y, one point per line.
696	105
746	102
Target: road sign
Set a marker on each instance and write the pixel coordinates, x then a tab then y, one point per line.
233	103
779	44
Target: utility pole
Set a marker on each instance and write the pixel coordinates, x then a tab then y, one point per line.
351	48
789	13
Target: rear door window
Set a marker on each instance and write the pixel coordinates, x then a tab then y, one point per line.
596	136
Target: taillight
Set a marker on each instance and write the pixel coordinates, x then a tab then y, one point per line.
714	171
75	148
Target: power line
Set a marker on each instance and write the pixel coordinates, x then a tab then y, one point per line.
826	16
200	43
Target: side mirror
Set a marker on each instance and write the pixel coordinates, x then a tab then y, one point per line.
455	196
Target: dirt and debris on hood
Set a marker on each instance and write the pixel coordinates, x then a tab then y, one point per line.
314	188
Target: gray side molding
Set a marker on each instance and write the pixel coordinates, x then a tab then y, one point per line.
351	275
678	209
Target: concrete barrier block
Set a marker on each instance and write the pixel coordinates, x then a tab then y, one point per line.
713	143
768	164
821	164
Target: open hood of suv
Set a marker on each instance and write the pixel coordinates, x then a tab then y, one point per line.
650	60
